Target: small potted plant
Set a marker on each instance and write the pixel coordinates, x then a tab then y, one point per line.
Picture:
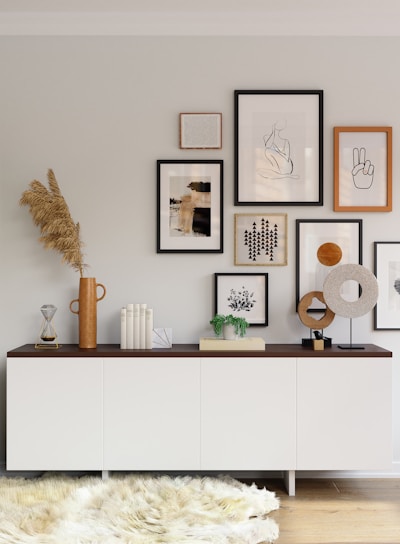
229	326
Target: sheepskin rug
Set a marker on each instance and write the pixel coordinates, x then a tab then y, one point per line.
135	509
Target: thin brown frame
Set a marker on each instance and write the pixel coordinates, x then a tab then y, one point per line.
342	171
197	130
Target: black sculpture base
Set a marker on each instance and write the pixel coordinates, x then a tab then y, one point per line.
351	346
308	342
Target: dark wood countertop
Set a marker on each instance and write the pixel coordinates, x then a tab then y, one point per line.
192	350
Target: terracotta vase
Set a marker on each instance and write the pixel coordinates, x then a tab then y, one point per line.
87	311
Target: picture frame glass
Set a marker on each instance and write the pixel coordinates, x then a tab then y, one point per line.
242	295
190	206
363	170
260	239
278	147
200	130
387	272
321	245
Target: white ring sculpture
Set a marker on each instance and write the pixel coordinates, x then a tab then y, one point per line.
369	290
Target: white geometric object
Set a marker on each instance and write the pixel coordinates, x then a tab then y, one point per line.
162	338
369	290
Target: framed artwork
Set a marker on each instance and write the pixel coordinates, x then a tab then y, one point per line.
260	239
200	130
363	169
320	246
387	272
242	295
189	206
278	148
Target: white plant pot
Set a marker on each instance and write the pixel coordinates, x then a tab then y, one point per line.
228	332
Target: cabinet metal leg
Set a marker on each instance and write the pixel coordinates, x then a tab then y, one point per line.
289	477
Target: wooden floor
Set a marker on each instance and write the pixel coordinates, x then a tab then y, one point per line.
338	511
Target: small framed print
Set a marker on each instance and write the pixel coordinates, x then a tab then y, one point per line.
200	130
261	239
189	206
242	295
278	148
321	245
363	169
387	272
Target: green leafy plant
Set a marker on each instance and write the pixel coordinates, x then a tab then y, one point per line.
219	320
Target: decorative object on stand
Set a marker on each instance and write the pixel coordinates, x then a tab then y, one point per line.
311	321
335	300
242	295
278	147
200	130
47	335
261	239
50	212
363	169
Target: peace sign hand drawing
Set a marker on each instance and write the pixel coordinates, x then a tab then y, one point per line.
363	170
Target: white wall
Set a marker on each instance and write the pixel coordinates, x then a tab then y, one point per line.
101	110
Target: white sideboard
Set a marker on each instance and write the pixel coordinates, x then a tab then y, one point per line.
286	409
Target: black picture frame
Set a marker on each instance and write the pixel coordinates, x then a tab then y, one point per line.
313	234
242	295
387	272
189	206
278	147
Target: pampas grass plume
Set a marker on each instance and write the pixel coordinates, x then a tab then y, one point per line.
51	214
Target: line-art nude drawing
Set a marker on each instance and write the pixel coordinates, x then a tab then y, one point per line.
363	170
277	154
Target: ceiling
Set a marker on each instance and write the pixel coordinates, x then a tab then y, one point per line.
205	17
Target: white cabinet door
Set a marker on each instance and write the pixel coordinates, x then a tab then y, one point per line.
248	413
152	413
344	414
54	413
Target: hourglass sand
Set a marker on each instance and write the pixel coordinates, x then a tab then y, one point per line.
48	335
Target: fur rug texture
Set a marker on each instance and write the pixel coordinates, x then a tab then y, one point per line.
135	509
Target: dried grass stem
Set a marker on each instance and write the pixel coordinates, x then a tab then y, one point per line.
51	214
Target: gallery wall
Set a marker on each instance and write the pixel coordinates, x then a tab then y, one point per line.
100	111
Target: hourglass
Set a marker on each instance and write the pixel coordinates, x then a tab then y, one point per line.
48	335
